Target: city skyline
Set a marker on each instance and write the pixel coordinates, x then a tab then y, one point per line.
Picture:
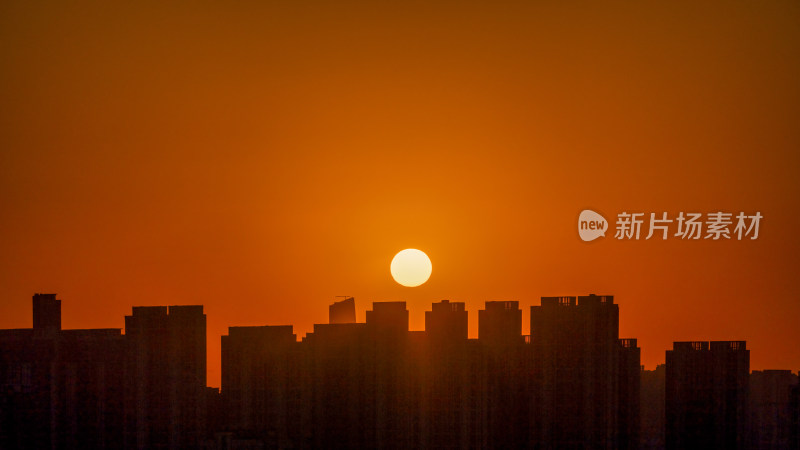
573	383
344	309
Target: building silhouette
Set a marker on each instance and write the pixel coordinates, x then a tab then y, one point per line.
61	389
46	315
770	409
652	408
707	395
587	380
395	380
446	323
165	377
342	396
794	416
504	384
500	324
628	426
454	380
260	385
343	311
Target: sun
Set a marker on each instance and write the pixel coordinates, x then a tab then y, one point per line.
411	267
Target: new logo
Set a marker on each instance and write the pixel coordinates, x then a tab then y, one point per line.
591	225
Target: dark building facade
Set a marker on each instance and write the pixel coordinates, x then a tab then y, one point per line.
61	389
500	324
261	382
165	377
586	380
770	409
504	382
628	427
794	417
707	395
454	380
341	395
652	408
343	311
446	323
46	314
394	397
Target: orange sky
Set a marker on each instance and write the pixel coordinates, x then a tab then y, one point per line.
262	159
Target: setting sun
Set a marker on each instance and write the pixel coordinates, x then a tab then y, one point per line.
411	267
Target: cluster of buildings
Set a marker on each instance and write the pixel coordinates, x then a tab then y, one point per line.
571	384
100	389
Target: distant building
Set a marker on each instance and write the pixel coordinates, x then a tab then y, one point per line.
446	322
505	384
343	311
46	315
341	392
652	408
770	409
586	379
628	420
60	388
794	416
706	395
500	324
388	320
393	373
454	375
260	384
166	377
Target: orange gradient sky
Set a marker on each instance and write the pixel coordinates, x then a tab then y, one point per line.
260	159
